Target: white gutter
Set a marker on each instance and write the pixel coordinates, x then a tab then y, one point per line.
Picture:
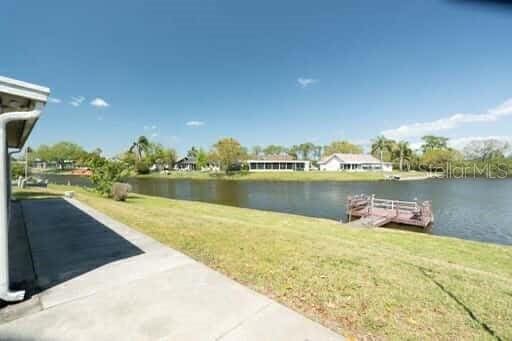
5	293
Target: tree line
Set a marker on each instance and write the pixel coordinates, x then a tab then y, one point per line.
142	154
61	152
435	154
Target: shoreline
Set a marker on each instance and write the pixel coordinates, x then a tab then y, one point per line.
311	176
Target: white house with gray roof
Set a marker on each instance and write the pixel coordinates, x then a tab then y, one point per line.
353	163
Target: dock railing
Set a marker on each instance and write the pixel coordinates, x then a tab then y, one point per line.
402	211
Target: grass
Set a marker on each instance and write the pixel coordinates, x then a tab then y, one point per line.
287	176
360	282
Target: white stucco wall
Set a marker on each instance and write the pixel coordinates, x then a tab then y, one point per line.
307	166
331	165
387	167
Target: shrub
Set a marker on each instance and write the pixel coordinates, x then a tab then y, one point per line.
234	167
244	167
105	173
142	167
17	169
120	191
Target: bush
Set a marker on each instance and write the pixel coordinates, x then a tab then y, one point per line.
17	169
234	167
244	167
120	191
142	167
105	173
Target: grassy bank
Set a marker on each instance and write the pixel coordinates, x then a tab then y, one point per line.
287	176
360	282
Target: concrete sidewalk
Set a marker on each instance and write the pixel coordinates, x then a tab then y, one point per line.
101	280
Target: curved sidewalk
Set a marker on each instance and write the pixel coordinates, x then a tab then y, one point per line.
101	280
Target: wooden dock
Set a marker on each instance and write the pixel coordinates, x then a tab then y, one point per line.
372	211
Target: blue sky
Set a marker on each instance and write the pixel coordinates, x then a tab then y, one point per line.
189	72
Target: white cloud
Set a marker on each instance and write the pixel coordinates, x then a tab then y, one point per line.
305	82
54	100
150	127
99	103
195	123
461	142
450	122
152	130
76	101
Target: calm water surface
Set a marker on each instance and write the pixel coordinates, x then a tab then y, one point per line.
477	209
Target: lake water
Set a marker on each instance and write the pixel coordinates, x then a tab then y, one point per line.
477	209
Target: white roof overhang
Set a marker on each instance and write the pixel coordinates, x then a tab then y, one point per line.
17	96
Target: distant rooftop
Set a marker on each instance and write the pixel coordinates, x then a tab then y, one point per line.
275	157
186	159
352	158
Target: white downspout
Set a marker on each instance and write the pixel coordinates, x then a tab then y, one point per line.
9	178
5	293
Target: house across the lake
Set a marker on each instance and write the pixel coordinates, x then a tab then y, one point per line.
353	163
186	163
62	164
277	163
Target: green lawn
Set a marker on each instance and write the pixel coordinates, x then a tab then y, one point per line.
287	176
359	282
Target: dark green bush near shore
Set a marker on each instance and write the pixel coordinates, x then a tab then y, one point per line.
105	173
17	169
142	167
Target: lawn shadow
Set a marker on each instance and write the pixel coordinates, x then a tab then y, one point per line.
428	274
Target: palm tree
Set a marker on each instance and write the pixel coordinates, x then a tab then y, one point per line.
381	144
318	152
140	146
402	152
294	151
256	151
192	152
306	149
